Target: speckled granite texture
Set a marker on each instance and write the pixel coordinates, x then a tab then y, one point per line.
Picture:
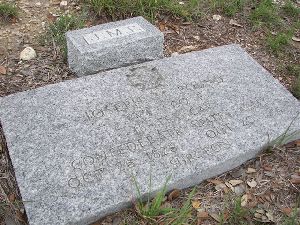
113	45
76	145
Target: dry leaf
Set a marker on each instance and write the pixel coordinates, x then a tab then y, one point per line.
257	215
216	217
270	216
287	211
174	27
174	194
162	27
267	167
295	179
2	70
251	170
261	211
230	186
188	48
219	187
244	200
51	17
196	204
235	182
235	23
296	39
215	181
202	215
252	183
12	197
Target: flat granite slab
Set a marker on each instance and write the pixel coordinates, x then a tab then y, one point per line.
76	145
113	45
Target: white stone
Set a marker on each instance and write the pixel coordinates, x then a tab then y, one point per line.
63	4
217	17
27	54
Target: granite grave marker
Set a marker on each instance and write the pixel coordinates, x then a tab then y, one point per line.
113	45
76	145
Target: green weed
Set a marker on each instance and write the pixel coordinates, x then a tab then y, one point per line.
293	70
150	9
279	41
296	88
8	11
265	13
56	30
293	218
234	213
152	209
238	213
228	7
182	215
284	138
289	9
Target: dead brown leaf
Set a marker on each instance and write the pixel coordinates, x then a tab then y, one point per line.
202	215
219	187
235	23
174	27
295	179
196	204
51	17
252	183
251	170
229	186
2	70
215	182
174	194
244	200
162	26
235	182
267	167
188	48
287	211
12	197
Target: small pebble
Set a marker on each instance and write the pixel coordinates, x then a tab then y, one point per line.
27	54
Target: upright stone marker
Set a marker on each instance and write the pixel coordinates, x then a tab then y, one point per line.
113	45
76	145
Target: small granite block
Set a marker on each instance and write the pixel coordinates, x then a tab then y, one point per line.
76	145
113	45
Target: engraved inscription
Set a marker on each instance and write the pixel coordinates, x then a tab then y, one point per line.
109	34
131	129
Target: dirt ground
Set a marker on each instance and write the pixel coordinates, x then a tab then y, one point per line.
276	189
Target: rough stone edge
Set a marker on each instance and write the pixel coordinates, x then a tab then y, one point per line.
83	60
150	26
